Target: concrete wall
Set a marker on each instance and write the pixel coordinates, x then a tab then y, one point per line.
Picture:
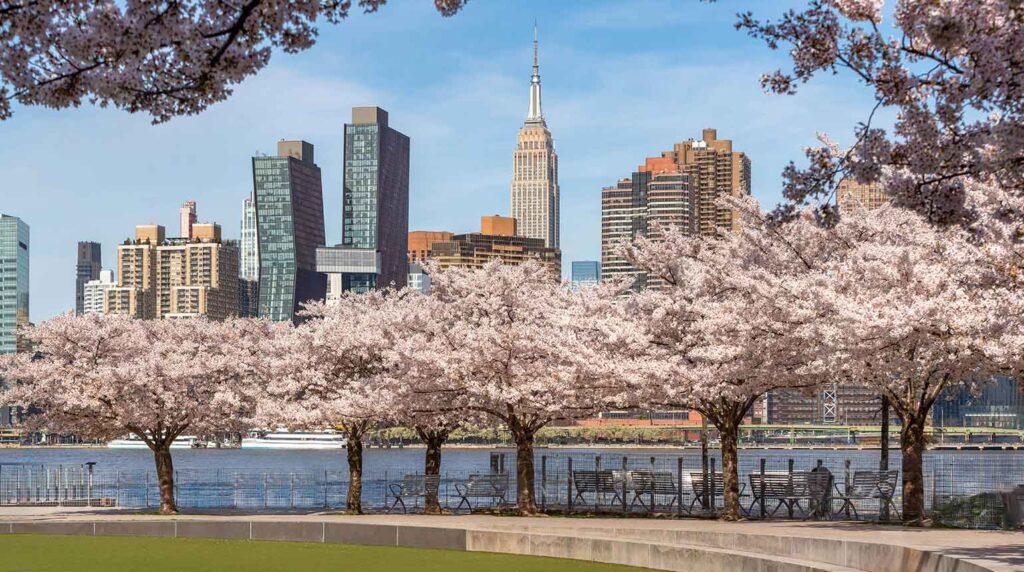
662	549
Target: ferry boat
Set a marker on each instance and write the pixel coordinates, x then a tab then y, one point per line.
133	442
282	439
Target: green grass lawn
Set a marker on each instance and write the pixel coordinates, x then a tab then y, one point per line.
36	553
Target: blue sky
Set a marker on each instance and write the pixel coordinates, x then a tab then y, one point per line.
622	80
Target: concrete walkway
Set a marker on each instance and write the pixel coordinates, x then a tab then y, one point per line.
657	543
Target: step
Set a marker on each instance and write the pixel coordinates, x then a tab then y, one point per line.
675	556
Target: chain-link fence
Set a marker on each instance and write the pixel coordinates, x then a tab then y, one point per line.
976	491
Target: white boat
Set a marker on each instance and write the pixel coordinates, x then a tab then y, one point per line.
282	439
133	442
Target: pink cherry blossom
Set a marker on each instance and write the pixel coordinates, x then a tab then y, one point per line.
164	58
525	350
733	321
949	69
107	376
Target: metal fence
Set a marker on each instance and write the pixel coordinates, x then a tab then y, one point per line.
972	492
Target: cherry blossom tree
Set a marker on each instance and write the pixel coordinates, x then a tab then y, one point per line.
166	58
106	376
426	380
531	352
327	373
950	69
729	319
920	312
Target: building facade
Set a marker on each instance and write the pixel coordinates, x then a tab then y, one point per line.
418	278
14	286
186	218
248	298
680	188
95	291
867	195
288	196
86	269
373	252
421	244
585	272
249	257
178	277
999	404
475	249
535	194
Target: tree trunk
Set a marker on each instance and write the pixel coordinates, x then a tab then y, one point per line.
165	476
434	439
883	453
728	433
525	502
354	500
705	462
913	442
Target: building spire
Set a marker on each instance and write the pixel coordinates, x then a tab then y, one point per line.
535	115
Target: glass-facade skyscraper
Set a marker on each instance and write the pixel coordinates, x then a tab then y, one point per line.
585	272
289	207
375	206
86	270
14	253
249	263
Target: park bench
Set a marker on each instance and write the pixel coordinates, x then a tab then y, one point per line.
790	489
491	487
600	483
414	487
715	488
652	484
869	485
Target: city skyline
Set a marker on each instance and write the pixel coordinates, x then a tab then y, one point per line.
461	108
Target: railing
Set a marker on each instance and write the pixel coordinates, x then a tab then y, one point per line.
965	492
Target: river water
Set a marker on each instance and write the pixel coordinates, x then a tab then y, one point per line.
462	460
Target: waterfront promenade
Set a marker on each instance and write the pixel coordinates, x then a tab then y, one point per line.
661	544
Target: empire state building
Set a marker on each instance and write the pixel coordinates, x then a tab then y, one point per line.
535	195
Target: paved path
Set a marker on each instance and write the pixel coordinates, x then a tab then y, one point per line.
996	550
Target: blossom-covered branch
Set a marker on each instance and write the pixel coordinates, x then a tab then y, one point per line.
166	58
953	72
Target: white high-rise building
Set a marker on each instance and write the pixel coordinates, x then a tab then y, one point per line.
249	265
94	289
418	279
535	194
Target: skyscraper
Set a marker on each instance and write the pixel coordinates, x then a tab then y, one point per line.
535	194
680	188
375	206
288	195
160	277
95	292
135	293
187	218
14	255
249	264
585	272
88	268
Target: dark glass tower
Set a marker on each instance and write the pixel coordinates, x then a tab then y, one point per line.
375	201
290	225
88	268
